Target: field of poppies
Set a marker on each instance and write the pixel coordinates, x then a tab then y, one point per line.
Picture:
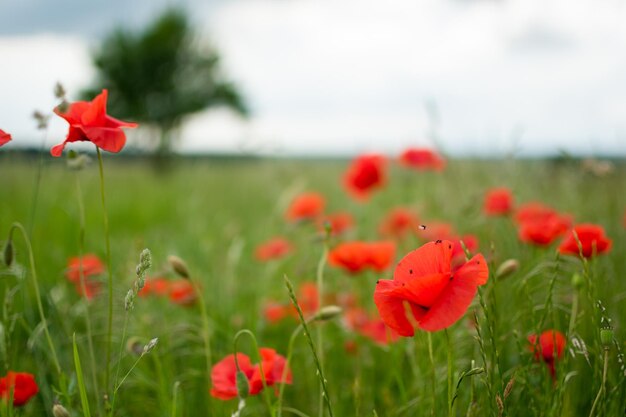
398	285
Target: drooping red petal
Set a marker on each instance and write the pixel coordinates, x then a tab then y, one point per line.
391	307
113	122
74	112
106	138
456	297
4	137
431	258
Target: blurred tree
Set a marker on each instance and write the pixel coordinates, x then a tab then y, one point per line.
161	75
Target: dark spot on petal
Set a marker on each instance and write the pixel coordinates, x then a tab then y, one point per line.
410	271
451	276
449	246
377	281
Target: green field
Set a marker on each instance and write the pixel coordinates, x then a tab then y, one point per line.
213	214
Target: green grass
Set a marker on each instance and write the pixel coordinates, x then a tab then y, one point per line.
213	214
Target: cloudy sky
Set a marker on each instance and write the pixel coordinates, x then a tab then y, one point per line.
481	77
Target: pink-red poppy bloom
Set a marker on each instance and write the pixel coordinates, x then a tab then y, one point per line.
4	137
275	248
357	256
399	223
373	328
155	286
182	292
364	175
549	348
593	241
91	267
422	159
544	230
339	222
22	384
533	211
224	373
498	202
306	206
89	122
424	283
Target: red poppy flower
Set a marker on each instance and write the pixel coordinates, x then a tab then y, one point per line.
373	328
89	122
591	237
533	211
306	206
23	385
308	300
424	281
422	159
398	223
156	286
275	312
224	373
91	289
339	222
357	256
273	366
4	137
275	248
90	263
365	174
549	348
543	230
182	292
498	202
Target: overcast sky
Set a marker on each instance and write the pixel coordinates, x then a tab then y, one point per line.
348	76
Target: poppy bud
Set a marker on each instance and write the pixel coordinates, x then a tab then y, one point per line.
179	266
577	281
8	252
327	313
606	337
507	268
243	386
59	411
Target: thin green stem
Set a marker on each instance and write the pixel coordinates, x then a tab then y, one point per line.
432	374
119	361
117	387
320	298
283	378
107	238
266	397
175	398
42	316
205	328
603	386
450	373
81	272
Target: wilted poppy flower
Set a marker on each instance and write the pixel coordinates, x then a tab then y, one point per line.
182	292
4	137
399	223
422	159
224	373
543	230
373	328
549	348
23	385
89	122
274	248
498	202
339	222
357	256
424	282
592	239
364	175
306	206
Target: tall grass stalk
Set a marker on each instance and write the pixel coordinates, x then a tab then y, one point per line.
320	299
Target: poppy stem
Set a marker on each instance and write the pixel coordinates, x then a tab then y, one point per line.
292	339
266	397
107	239
81	272
450	373
603	386
432	374
320	299
42	316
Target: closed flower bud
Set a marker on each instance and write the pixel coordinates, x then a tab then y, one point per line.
327	313
606	337
179	266
577	281
59	411
507	268
8	253
243	386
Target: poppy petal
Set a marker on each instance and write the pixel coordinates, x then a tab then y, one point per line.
431	258
457	296
106	138
391	307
